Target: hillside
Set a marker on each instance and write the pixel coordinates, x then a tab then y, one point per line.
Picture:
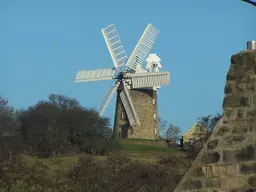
136	167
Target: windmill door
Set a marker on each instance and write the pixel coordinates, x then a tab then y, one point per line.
124	133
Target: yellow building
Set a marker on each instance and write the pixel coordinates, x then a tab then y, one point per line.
194	133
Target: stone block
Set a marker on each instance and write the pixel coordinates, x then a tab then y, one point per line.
223	130
192	184
212	144
228	88
252	181
235	182
240	129
207	170
237	61
249	168
227	113
244	86
243	60
234	101
240	113
244	101
210	157
244	154
233	139
250	87
216	169
245	189
250	139
197	172
240	86
212	183
252	128
232	74
212	171
229	169
243	121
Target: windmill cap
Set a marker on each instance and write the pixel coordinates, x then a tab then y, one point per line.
251	45
153	57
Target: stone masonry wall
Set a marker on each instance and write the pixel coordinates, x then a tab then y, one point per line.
143	103
227	163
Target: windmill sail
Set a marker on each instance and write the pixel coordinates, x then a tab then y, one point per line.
152	79
128	106
142	48
115	46
94	75
107	98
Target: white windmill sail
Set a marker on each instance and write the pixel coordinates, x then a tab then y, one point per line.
107	98
115	46
129	107
94	75
142	48
152	79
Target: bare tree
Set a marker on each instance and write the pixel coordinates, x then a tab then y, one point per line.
169	132
202	132
7	124
163	126
173	132
208	123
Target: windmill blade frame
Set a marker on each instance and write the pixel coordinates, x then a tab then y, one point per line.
107	98
143	48
95	75
152	79
115	46
129	107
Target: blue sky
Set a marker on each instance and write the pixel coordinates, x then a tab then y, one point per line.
44	43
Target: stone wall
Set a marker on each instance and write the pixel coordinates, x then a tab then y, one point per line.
227	163
145	108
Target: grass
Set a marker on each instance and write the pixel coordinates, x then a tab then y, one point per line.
145	148
138	139
140	152
51	165
65	162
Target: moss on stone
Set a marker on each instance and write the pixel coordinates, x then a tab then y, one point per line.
212	144
210	157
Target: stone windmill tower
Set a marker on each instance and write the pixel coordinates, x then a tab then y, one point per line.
136	106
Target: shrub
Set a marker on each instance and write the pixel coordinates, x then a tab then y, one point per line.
88	173
17	176
173	161
118	159
100	145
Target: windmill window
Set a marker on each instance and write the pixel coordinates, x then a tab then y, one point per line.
122	115
154	101
155	131
154	115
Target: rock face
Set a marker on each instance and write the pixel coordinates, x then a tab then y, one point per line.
145	103
227	161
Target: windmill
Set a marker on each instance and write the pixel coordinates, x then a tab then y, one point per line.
136	106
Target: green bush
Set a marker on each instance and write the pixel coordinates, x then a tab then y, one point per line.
100	145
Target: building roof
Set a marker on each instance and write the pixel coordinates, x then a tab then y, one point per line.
190	132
